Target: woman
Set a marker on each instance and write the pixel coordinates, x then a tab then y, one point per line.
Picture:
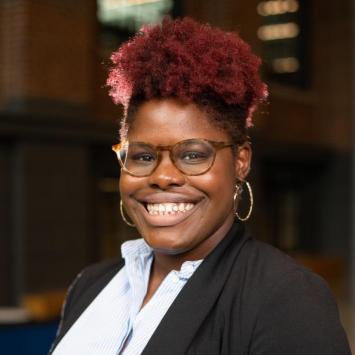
197	283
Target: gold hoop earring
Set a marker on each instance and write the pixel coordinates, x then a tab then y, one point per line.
237	196
123	216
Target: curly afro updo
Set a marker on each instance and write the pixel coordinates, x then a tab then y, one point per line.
192	62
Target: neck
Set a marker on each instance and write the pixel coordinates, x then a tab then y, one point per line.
165	262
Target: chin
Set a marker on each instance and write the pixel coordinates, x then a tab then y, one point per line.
167	241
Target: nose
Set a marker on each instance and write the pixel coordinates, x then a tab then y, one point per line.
166	174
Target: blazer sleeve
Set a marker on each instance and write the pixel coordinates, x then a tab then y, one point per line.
85	287
72	296
299	316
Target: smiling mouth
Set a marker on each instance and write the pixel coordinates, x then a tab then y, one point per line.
165	214
164	209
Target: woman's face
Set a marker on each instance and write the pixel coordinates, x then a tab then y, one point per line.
205	201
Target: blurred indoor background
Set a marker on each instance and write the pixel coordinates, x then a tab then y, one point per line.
59	201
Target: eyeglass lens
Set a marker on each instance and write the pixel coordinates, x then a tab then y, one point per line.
191	157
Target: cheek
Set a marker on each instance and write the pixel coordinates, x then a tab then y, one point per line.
218	185
124	186
127	186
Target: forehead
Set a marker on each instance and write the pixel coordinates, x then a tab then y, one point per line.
167	121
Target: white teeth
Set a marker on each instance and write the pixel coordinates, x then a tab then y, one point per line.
168	208
189	206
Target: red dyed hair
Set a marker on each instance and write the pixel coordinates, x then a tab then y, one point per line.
190	61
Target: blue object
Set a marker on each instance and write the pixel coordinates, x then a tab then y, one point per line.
27	339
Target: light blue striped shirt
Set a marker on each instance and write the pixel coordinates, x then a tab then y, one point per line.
114	323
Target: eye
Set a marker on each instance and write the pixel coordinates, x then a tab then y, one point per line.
143	157
193	157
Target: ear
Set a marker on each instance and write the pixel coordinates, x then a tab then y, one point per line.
243	161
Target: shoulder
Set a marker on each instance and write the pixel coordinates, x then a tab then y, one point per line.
280	276
264	255
270	273
291	309
258	268
99	269
267	266
94	276
82	291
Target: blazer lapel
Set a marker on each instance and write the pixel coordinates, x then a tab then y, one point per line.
189	310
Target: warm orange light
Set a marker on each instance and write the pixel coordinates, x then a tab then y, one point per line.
285	65
279	31
277	7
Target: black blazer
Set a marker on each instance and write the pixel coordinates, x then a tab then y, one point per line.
245	298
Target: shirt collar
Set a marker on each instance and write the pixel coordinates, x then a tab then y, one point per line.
138	251
137	248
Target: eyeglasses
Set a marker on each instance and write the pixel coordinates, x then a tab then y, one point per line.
191	156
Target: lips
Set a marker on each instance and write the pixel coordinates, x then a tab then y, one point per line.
163	210
168	208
